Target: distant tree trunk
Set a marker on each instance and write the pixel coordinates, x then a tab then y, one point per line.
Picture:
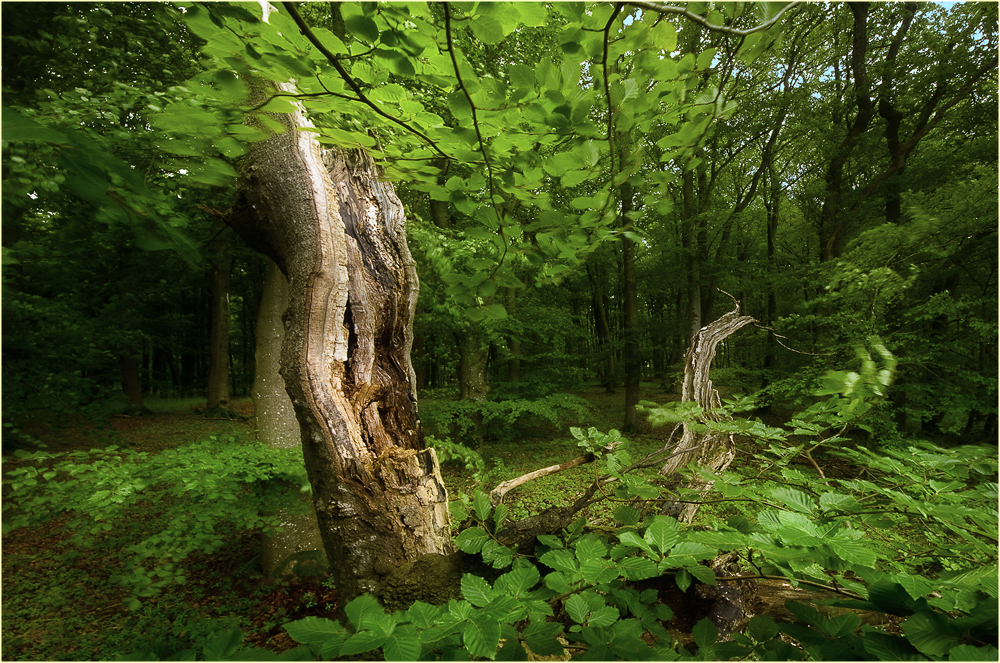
131	382
693	253
277	428
772	205
831	224
218	319
603	329
630	310
337	231
513	342
175	370
711	450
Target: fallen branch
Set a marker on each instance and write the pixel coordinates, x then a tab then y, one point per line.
496	495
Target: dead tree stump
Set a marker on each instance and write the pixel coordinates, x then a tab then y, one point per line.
710	449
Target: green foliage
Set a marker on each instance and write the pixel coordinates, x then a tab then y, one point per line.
204	485
501	419
454	452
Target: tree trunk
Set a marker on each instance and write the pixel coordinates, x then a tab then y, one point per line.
277	428
832	224
710	449
630	310
603	329
131	382
338	234
218	320
513	343
693	253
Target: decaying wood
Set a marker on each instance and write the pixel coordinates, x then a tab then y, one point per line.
710	449
337	231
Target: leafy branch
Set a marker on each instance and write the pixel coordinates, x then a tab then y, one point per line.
335	61
702	21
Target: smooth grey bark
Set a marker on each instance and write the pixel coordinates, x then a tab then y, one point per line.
709	449
218	319
338	233
278	428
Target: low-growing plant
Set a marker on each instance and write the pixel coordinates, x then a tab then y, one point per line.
200	486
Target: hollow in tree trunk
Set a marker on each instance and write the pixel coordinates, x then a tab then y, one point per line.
338	234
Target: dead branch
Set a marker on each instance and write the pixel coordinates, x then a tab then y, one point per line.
496	495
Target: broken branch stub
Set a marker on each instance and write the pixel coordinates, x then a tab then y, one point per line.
710	449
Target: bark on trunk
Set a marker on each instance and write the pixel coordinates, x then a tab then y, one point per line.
218	320
278	428
338	233
709	449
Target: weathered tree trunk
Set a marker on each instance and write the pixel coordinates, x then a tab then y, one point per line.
218	320
710	449
277	428
338	233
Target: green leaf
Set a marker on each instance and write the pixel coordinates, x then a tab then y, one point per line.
577	608
590	547
662	533
224	645
541	638
487	29
683	580
638	568
702	573
481	635
471	540
476	590
705	633
627	514
970	653
560	560
796	499
931	633
762	628
481	503
550	540
605	616
518	582
401	646
359	610
362	27
633	539
313	629
362	642
852	552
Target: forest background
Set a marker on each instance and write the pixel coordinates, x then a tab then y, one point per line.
585	187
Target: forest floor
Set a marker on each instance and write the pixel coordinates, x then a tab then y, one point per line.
61	600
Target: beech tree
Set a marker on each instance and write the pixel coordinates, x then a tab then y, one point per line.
338	234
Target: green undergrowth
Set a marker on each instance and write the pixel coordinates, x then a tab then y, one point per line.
118	552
